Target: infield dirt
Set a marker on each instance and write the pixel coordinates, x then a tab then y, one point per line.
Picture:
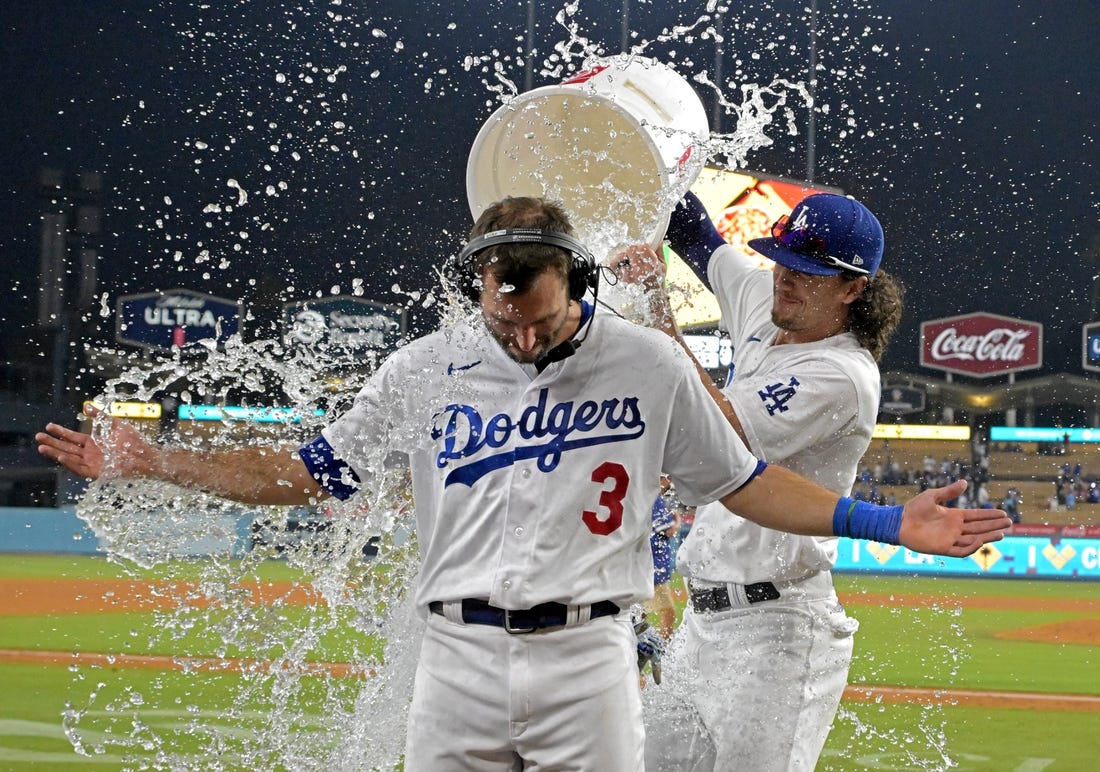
37	597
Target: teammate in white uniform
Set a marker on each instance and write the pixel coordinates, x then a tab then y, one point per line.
764	647
536	436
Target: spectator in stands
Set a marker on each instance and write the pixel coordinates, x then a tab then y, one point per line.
1011	504
875	496
981	495
665	524
895	473
963	501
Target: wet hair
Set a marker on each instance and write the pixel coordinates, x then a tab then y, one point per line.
520	264
874	316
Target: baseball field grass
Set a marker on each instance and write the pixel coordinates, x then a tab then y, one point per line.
975	674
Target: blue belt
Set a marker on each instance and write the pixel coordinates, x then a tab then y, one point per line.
479	612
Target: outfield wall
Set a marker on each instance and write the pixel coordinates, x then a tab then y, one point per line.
1046	552
41	529
47	530
1055	555
59	531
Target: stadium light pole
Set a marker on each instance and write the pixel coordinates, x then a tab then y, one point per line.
626	26
529	54
811	127
719	57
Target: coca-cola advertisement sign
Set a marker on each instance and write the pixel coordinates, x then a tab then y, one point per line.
981	345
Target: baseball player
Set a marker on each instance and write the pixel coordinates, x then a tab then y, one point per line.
651	641
764	648
665	524
536	433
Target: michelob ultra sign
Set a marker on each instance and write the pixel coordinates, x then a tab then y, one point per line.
981	345
161	320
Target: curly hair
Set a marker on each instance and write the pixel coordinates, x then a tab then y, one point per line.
874	316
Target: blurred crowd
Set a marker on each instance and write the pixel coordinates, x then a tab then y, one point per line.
1070	487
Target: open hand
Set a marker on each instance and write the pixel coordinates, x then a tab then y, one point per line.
931	528
127	452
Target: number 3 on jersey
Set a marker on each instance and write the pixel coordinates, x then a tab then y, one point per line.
611	500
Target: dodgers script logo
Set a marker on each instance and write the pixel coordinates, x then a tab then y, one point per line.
544	433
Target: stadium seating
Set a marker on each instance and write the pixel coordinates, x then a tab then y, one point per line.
1031	473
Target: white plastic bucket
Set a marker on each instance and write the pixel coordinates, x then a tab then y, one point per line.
617	145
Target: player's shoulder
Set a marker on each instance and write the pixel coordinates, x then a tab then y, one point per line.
727	262
851	368
638	341
614	323
838	364
856	360
452	339
839	352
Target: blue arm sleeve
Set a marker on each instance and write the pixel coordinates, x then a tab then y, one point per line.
693	236
333	474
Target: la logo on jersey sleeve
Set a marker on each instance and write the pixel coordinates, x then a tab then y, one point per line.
776	396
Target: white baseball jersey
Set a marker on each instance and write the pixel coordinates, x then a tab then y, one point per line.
533	487
810	407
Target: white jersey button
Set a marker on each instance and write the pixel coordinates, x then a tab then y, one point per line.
526	473
506	584
519	531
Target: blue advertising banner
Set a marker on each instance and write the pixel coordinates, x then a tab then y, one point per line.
1090	347
161	320
263	415
1042	434
1025	557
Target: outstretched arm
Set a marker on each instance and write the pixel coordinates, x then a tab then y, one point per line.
780	499
252	475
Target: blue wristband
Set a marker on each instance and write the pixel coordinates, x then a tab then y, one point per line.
863	520
842	516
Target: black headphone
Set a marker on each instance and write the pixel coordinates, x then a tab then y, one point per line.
583	275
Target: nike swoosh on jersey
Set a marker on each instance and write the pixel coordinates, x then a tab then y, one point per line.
451	369
754	339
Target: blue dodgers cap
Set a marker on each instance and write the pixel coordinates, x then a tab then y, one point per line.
825	235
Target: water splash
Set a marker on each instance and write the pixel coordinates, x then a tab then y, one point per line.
922	742
297	660
269	669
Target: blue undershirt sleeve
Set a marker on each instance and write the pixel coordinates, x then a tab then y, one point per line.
760	467
331	473
692	235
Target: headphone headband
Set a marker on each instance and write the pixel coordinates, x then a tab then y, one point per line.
583	273
526	236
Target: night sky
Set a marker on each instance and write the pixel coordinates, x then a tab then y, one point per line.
968	127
